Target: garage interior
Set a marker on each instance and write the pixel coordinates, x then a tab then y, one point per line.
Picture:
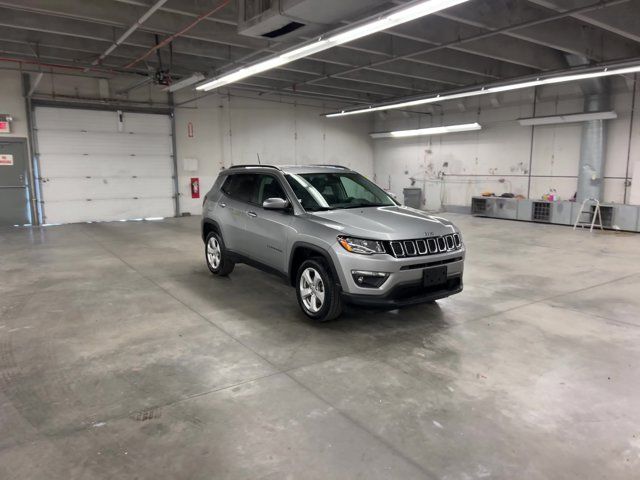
121	356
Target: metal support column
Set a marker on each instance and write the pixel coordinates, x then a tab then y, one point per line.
33	191
176	185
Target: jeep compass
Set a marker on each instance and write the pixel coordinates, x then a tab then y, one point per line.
331	234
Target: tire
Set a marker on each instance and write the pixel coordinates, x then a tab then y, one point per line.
317	292
220	264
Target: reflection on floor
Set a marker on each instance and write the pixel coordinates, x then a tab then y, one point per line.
122	357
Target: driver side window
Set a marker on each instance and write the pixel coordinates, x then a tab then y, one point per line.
269	187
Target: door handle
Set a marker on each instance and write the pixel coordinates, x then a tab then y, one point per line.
222	204
252	214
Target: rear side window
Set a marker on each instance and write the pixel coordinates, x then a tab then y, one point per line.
241	187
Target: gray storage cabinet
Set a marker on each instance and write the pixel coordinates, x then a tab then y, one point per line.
413	197
506	208
561	213
614	216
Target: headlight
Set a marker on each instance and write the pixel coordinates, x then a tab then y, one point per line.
360	245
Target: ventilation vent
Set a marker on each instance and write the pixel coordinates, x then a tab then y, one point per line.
288	28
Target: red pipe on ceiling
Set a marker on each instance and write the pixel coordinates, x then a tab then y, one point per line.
169	39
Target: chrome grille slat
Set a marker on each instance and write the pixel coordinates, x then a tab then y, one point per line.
456	239
442	245
422	247
409	248
450	244
396	248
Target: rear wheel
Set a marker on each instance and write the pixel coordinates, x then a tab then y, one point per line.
317	291
217	258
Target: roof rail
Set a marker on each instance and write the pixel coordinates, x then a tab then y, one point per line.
254	165
331	166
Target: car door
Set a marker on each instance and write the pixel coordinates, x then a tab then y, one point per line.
268	230
237	192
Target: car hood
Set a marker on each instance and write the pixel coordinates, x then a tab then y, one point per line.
384	223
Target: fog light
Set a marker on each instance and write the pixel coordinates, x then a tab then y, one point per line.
368	279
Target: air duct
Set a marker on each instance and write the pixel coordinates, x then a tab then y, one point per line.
593	142
593	147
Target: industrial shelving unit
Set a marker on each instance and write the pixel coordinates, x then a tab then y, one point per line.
614	216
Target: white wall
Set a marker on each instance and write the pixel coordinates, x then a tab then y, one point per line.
235	130
12	102
227	130
497	158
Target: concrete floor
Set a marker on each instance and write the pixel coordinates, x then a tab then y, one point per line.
122	357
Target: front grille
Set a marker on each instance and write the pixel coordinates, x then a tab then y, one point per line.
424	246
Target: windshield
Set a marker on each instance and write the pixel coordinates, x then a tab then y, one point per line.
328	191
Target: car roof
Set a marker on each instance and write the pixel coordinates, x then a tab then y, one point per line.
291	168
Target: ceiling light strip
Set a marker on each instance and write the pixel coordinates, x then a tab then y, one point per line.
569	118
605	72
465	127
399	16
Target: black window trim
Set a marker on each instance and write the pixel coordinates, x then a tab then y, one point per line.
267	174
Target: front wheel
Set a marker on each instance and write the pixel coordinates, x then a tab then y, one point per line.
317	292
217	259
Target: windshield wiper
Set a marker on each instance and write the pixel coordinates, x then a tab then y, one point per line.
364	205
319	209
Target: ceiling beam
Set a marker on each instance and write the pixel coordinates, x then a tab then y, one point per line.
621	19
426	55
120	15
563	33
193	8
65	32
104	19
184	65
468	42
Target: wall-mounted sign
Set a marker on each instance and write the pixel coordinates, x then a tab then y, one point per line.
190	164
6	160
5	123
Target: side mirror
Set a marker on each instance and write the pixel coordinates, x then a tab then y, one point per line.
275	204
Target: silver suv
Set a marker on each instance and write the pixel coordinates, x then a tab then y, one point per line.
333	235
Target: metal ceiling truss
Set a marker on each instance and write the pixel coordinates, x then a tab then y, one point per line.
479	42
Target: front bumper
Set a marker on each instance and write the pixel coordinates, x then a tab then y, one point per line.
404	286
405	294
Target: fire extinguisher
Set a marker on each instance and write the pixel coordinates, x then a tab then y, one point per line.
195	187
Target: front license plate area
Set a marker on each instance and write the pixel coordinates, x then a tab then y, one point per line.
434	276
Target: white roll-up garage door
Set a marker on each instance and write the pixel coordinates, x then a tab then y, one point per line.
103	166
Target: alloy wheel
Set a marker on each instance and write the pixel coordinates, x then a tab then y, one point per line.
312	290
214	253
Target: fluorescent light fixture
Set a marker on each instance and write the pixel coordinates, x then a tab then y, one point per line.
465	127
571	118
606	72
399	16
186	82
306	50
361	31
